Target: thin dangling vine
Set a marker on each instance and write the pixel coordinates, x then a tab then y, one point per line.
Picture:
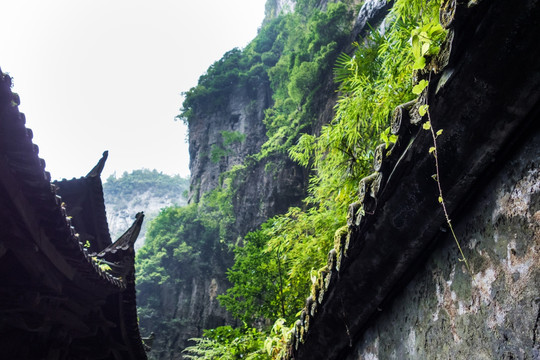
424	110
433	150
423	46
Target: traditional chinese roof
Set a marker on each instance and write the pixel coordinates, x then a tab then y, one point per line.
83	199
484	93
59	299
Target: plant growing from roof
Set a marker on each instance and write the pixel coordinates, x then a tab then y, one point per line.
424	110
424	44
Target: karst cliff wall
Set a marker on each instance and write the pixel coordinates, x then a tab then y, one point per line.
269	186
186	310
263	188
243	113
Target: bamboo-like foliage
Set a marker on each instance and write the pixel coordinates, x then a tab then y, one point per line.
277	264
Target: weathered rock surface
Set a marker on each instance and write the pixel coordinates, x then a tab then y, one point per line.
142	190
122	211
444	313
244	114
268	188
188	309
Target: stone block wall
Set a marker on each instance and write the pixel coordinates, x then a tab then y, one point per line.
444	312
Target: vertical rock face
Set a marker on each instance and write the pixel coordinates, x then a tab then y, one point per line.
210	154
121	211
190	308
141	190
267	189
276	7
264	188
495	313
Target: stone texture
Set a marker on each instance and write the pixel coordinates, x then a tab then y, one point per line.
445	312
121	211
192	307
244	114
267	188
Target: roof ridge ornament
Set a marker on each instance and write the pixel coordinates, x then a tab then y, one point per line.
127	240
96	171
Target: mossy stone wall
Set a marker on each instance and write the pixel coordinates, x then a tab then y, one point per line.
444	312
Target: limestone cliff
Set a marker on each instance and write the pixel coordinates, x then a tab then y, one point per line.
210	154
141	190
268	186
227	131
262	189
186	307
277	7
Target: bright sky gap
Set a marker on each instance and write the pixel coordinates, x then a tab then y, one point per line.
107	75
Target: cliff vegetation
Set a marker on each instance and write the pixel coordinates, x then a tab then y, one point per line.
272	266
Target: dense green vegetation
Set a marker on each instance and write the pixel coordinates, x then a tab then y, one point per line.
275	265
229	343
140	181
291	52
309	51
228	139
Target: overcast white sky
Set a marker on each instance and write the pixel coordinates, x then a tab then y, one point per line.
97	75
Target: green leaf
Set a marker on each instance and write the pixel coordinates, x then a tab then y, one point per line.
439	132
440	199
419	63
422	110
436	30
418	88
432	149
384	137
361	211
415	41
425	48
426	125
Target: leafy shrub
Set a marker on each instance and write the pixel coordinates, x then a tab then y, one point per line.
227	343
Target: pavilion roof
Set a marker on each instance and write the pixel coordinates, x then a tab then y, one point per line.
56	294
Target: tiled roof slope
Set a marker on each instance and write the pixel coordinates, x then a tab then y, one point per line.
485	94
83	198
120	256
57	301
